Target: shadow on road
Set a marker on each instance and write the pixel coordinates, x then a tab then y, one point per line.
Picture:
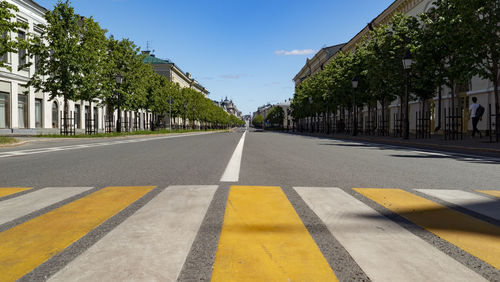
437	219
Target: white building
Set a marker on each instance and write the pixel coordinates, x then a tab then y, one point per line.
35	113
480	88
170	70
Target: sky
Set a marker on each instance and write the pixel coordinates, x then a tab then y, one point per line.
248	51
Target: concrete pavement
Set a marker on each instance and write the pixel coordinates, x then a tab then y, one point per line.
348	228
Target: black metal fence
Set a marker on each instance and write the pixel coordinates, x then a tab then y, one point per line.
492	125
422	125
67	125
91	124
383	126
109	124
370	125
453	124
397	125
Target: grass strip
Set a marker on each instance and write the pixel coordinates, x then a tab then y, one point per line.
116	134
7	140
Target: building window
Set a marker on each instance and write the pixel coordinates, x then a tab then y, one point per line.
77	116
55	115
38	113
5	57
22	59
4	110
22	110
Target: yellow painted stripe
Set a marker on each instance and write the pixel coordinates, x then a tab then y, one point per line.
263	239
26	246
494	193
474	236
11	190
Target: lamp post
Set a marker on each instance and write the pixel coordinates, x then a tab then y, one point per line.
407	62
354	119
310	110
119	81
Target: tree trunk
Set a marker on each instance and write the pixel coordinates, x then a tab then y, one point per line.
497	102
440	108
65	115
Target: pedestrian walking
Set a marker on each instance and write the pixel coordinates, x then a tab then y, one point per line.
475	112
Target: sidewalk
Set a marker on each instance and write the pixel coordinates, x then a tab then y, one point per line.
467	145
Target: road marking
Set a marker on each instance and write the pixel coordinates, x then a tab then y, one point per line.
11	190
476	203
90	145
459	229
383	249
26	246
28	203
494	193
232	172
151	245
263	239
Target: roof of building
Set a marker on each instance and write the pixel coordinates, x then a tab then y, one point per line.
151	59
156	61
37	5
332	50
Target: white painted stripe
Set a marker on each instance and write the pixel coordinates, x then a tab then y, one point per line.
476	203
90	145
383	249
232	172
36	200
151	245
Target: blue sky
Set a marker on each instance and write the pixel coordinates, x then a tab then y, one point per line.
234	48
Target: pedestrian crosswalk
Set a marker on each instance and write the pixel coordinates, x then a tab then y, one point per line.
262	236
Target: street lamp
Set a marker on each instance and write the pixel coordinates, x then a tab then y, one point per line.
407	62
354	119
310	118
119	81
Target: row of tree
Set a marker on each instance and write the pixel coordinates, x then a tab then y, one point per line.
454	41
75	60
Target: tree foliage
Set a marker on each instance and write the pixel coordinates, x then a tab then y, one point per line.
453	41
9	25
276	115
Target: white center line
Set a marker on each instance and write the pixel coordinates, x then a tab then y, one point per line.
232	172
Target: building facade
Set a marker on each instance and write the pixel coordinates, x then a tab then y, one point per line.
477	87
170	70
317	63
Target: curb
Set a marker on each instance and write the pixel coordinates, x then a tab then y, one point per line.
14	144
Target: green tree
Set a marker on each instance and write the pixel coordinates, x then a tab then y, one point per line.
257	121
483	17
453	34
125	59
59	68
9	25
94	65
276	116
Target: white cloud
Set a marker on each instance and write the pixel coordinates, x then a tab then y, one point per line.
294	52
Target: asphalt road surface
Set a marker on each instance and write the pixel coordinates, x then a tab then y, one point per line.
246	205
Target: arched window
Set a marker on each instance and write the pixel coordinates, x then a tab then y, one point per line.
55	115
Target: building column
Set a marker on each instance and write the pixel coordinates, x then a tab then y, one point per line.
14	117
31	109
47	111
